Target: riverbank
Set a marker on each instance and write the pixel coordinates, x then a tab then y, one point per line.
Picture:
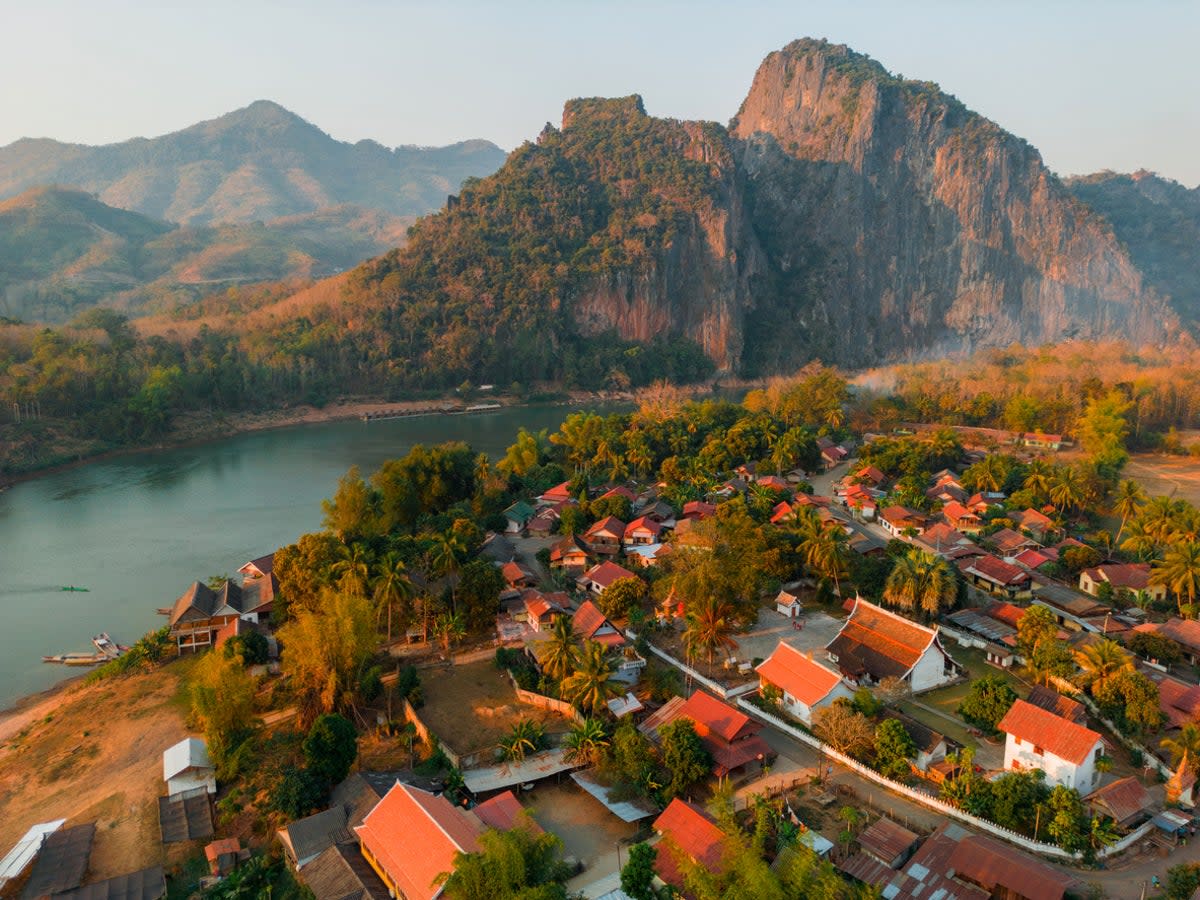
196	428
36	707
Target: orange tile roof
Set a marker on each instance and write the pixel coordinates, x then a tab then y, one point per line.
414	837
588	619
644	522
883	642
716	717
1124	799
558	492
610	525
1052	733
504	812
1006	613
689	833
805	679
514	572
606	573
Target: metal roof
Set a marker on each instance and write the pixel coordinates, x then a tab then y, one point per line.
532	768
17	860
626	810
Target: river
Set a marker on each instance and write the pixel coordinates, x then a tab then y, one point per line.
138	529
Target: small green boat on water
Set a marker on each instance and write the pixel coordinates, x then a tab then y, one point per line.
73	588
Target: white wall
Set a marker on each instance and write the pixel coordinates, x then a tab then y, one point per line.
804	712
1058	771
930	670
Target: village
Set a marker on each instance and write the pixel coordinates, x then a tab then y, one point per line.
900	666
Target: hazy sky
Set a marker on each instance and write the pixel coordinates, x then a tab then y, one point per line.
1092	84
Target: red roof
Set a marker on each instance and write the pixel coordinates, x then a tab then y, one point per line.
568	546
1131	576
899	515
503	812
1032	519
994	570
1007	540
953	511
717	717
879	642
1032	558
1006	613
1052	733
805	679
414	837
644	522
619	491
783	510
689	833
871	473
606	573
608	525
558	492
1124	799
1052	701
698	509
514	572
774	482
588	620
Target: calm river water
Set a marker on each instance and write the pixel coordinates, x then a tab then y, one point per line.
137	530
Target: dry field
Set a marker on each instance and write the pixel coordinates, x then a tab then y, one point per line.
94	754
1174	476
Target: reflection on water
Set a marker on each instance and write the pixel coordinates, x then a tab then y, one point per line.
137	530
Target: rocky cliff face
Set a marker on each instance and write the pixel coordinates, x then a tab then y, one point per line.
898	223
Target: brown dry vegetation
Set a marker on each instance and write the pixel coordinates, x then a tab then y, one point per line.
93	753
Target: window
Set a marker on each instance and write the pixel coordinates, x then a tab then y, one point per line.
1037	750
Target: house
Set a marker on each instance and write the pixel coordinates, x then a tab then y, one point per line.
688	836
599	577
1041	441
861	500
604	537
619	491
887	841
932	746
1131	577
783	512
788	605
869	475
730	736
570	555
592	625
411	837
1009	543
646	555
831	456
804	683
517	517
201	612
263	567
999	633
542	609
1038	739
306	839
874	644
557	494
1125	801
1032	559
1178	700
896	520
342	872
962	519
543	524
995	576
1184	632
1036	523
984	501
774	483
643	530
699	510
1062	706
505	812
660	511
947	542
517	576
186	768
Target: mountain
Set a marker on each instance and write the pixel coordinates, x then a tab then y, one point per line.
256	164
1158	220
62	250
844	214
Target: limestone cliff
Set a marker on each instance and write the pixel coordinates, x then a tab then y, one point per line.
898	223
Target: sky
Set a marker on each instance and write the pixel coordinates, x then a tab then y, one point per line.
1093	84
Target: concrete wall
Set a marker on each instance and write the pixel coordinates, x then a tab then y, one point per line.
1058	771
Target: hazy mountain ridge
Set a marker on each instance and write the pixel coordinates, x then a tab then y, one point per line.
62	251
255	164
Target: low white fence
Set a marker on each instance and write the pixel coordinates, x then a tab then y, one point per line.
933	802
719	689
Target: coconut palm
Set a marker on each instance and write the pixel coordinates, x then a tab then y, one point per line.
1067	489
1101	662
709	628
1038	476
449	628
353	569
445	558
989	474
921	581
823	550
1186	743
591	685
562	649
1127	502
586	742
526	736
392	589
1179	570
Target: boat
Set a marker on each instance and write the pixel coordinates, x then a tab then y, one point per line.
107	645
76	659
72	587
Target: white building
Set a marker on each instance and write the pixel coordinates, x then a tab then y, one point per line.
806	685
875	644
186	767
1065	751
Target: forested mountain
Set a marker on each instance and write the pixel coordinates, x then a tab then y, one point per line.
63	251
256	164
1159	221
846	215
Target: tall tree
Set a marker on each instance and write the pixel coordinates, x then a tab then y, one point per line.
561	653
393	589
1101	662
709	628
592	684
1127	502
1179	570
921	581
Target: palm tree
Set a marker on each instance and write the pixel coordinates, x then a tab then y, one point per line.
393	589
709	628
562	650
989	474
1102	833
823	550
1101	662
591	685
921	581
586	742
353	569
526	736
445	558
1187	743
1179	570
1127	501
449	628
1038	476
1066	491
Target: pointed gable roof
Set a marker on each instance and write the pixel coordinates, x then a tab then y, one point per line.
713	716
1124	799
801	677
197	602
504	812
588	619
608	525
606	573
881	642
1049	699
690	833
1052	733
414	836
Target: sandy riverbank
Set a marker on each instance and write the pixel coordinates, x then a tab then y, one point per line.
35	707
